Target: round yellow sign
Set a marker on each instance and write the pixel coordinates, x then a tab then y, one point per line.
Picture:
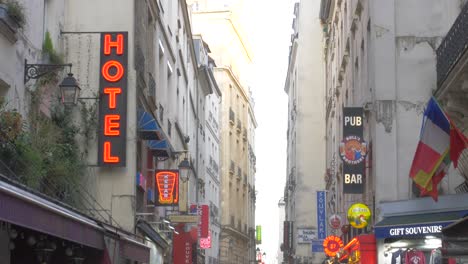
359	215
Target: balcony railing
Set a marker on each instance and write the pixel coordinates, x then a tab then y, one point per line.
453	46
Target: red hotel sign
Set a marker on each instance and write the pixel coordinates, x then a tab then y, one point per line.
113	103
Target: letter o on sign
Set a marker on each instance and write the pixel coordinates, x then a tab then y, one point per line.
107	74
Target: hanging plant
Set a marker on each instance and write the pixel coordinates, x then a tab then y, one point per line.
16	12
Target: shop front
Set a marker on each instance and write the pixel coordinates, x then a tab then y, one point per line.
411	231
33	229
455	241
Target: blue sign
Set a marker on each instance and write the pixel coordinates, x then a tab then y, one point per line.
321	215
410	230
317	246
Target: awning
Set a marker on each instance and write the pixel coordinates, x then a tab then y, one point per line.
24	208
148	127
152	234
415	225
160	148
456	229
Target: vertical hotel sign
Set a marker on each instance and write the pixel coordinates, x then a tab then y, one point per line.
353	150
113	103
321	215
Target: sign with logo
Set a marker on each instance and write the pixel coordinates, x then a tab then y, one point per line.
353	150
206	242
258	234
167	187
305	235
410	230
321	215
331	245
113	102
359	215
334	221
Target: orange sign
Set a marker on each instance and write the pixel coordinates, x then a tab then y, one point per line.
167	183
331	245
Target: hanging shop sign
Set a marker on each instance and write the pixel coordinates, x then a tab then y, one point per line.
334	221
113	101
321	215
353	150
258	234
288	235
410	230
206	242
331	245
359	215
203	211
167	187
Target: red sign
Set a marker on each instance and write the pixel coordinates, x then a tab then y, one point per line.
167	187
206	242
182	247
331	245
203	211
113	101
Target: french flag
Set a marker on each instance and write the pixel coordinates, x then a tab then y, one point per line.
433	147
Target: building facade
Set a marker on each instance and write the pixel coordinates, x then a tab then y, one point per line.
306	133
147	101
218	27
380	57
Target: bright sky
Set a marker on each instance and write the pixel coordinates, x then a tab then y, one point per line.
269	37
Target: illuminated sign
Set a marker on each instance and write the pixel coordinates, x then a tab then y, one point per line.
258	234
206	242
353	150
359	215
331	245
167	187
113	100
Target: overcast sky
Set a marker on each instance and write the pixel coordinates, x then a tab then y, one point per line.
269	37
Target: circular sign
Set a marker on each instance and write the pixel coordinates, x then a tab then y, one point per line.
331	245
335	221
359	215
353	150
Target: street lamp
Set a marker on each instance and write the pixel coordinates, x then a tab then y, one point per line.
184	169
69	90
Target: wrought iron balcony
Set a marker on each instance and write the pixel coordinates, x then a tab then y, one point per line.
454	45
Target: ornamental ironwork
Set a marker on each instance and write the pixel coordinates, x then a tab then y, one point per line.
36	71
453	46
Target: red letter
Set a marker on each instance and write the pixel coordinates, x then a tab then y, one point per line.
107	154
118	74
112	92
111	125
108	44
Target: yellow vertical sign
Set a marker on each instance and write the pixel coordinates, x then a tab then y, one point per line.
258	234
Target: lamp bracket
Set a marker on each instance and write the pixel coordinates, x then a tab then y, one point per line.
36	71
